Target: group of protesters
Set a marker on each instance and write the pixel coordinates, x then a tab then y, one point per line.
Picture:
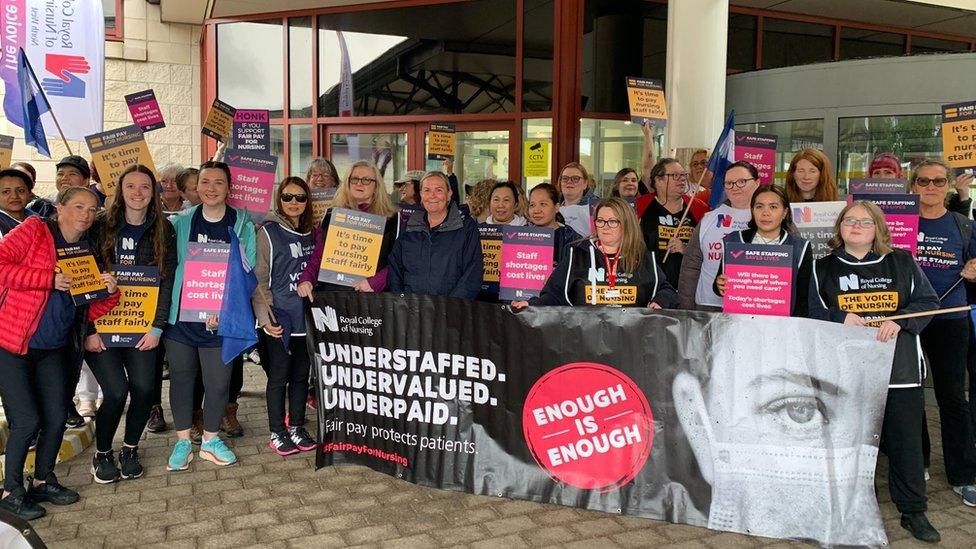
655	243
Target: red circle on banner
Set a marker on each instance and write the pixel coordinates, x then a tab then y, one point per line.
589	425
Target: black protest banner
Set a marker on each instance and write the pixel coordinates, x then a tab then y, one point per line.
759	425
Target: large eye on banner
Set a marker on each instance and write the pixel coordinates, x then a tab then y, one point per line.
589	425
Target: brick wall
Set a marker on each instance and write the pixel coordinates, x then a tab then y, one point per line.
154	54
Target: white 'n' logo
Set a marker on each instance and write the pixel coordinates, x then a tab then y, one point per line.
849	282
296	250
128	243
325	319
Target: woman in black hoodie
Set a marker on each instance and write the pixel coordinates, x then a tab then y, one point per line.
612	267
131	233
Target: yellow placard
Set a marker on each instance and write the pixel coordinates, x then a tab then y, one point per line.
441	141
134	313
115	150
959	134
6	151
350	251
535	159
321	202
491	251
646	99
220	121
625	295
868	302
86	279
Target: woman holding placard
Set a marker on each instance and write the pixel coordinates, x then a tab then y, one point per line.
660	220
360	191
504	204
772	224
40	344
193	346
284	245
544	212
131	235
810	178
865	278
611	267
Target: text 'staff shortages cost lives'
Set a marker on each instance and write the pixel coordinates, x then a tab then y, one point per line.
619	410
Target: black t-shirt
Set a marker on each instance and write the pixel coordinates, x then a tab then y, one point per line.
658	226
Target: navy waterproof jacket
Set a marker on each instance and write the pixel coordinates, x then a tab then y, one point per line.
444	261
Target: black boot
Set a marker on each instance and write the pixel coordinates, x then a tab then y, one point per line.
20	505
920	527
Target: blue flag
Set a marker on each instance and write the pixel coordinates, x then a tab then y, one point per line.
236	313
723	155
284	321
35	104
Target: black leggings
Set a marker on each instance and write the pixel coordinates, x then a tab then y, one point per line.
160	351
121	372
32	387
901	434
184	364
287	374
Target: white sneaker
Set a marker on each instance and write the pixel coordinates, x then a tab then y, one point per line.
927	477
86	408
254	357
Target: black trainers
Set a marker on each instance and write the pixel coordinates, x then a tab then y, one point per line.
129	462
52	492
282	445
20	505
920	527
74	420
156	423
103	468
301	438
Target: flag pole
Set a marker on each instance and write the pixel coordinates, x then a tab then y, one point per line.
933	312
50	107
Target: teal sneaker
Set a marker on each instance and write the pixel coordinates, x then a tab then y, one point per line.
181	456
216	451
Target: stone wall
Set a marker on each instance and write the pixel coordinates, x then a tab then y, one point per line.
154	54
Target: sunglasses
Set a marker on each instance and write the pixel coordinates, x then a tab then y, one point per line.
300	198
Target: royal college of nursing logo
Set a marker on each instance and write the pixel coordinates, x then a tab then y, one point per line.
66	69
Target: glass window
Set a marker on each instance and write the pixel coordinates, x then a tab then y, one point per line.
606	146
537	56
859	139
278	149
108	11
621	38
922	44
299	149
479	155
537	130
741	55
442	58
250	77
857	43
300	67
789	43
792	135
387	150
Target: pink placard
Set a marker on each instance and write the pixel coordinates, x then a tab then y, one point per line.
526	262
759	279
252	182
760	150
145	111
204	275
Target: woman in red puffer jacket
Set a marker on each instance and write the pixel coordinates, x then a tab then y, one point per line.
40	344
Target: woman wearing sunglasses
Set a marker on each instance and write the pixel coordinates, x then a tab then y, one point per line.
362	190
946	254
612	267
284	244
864	278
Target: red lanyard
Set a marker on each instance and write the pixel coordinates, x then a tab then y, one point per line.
611	267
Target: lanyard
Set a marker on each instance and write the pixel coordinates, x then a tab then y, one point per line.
611	266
